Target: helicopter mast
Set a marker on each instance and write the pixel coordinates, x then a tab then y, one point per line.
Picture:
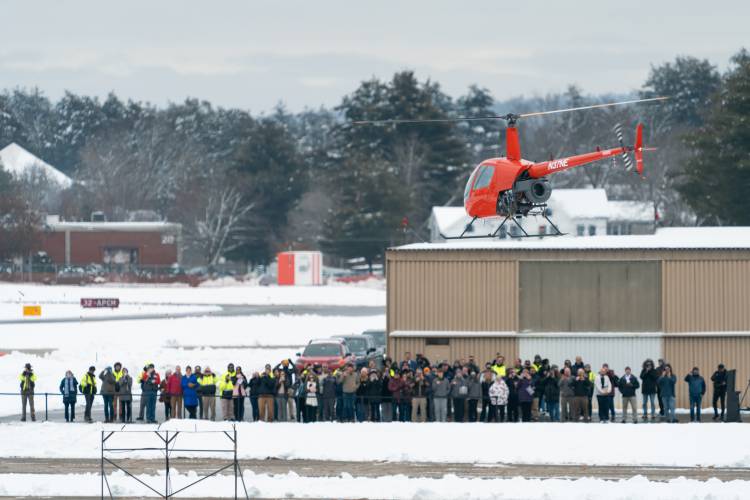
512	144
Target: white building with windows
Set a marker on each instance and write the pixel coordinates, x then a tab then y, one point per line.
576	212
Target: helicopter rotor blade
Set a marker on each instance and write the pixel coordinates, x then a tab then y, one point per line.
510	117
430	120
593	106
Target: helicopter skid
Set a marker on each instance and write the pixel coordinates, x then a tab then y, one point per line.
496	233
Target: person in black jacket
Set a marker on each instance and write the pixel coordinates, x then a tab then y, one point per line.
649	376
253	386
628	384
266	389
581	390
373	395
552	394
719	379
386	399
660	371
512	382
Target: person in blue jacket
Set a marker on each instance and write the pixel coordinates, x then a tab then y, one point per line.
189	392
696	390
69	391
666	384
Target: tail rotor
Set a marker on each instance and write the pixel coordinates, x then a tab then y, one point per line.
637	148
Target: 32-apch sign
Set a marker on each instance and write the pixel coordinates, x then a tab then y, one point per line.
95	303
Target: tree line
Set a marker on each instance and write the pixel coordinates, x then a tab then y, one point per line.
245	186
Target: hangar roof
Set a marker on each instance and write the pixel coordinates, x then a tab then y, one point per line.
664	238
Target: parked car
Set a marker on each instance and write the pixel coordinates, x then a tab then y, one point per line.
364	349
380	338
73	275
333	353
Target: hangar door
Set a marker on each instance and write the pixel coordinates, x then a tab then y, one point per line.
590	296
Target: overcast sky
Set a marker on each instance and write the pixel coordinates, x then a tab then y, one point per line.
310	53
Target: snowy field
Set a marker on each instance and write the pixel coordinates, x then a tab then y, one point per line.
292	485
343	295
655	445
57	310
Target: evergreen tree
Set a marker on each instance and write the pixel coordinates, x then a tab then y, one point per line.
718	173
269	173
367	210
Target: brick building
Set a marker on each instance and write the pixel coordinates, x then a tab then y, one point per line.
113	243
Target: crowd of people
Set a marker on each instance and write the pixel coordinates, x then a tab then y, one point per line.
413	390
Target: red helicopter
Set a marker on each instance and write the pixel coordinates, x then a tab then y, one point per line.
512	187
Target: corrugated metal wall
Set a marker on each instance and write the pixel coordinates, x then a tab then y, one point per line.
456	295
482	348
617	351
583	296
685	352
708	296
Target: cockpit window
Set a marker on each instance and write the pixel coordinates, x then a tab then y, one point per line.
469	183
484	177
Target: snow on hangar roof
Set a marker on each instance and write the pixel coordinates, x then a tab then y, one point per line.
664	239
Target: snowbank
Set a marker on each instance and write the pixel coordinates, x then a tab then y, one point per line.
351	295
292	485
710	445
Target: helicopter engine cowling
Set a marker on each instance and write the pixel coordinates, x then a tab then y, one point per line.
535	191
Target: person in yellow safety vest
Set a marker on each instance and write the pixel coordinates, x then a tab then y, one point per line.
231	371
28	381
226	385
88	389
498	366
117	372
208	384
591	376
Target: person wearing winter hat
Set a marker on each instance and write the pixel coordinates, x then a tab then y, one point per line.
28	381
69	390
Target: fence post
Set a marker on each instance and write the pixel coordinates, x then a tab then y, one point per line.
166	456
46	412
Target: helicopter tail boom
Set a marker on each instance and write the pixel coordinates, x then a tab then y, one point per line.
544	168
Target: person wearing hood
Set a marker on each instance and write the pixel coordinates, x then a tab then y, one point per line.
28	381
69	391
108	393
126	397
459	393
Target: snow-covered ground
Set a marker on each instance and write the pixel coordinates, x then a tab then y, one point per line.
14	310
292	485
248	341
595	444
343	295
